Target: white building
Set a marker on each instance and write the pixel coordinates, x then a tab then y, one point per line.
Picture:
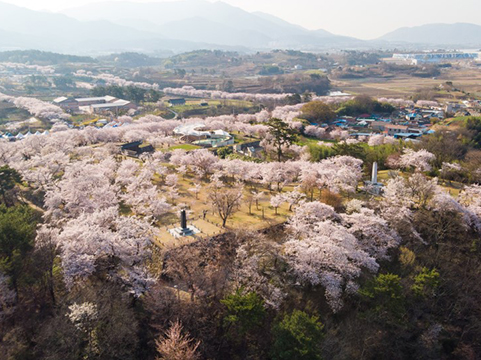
207	138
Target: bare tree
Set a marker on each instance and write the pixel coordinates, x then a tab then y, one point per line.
177	346
249	200
225	199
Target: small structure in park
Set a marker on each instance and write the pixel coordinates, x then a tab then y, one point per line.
193	133
184	229
137	148
373	186
176	102
251	149
94	104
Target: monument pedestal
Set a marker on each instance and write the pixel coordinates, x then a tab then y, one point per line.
373	188
184	230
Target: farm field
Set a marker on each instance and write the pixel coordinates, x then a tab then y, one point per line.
468	80
10	113
193	107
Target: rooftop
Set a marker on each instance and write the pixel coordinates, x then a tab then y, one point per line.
396	126
60	99
191	130
105	98
118	103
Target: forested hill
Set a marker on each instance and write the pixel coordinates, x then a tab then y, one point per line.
42	57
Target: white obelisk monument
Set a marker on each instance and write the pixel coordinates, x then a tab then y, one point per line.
374	173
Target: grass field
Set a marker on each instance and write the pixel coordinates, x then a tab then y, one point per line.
304	140
260	217
186	147
194	104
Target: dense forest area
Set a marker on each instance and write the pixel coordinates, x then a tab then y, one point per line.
43	58
346	276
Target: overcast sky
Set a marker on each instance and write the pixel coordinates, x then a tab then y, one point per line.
365	19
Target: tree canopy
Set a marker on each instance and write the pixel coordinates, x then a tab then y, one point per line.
282	135
318	112
297	337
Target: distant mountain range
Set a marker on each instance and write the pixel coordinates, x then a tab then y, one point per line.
438	34
187	25
213	23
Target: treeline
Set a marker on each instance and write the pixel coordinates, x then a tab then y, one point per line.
320	112
362	151
364	105
38	57
457	150
131	93
400	313
459	144
383	70
131	60
297	83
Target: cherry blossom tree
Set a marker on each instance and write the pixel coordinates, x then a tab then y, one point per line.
421	189
373	232
127	172
277	201
146	200
376	140
309	179
308	214
443	203
328	249
279	173
110	79
420	160
201	161
172	180
315	131
330	256
192	92
340	173
448	170
196	190
255	260
293	198
470	198
85	187
104	234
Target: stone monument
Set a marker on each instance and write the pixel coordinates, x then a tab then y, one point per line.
373	187
374	173
183	219
184	230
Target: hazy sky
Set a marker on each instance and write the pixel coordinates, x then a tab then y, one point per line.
364	19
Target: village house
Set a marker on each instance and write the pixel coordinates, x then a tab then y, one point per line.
379	125
252	149
136	148
115	106
66	103
94	104
392	130
176	102
413	117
